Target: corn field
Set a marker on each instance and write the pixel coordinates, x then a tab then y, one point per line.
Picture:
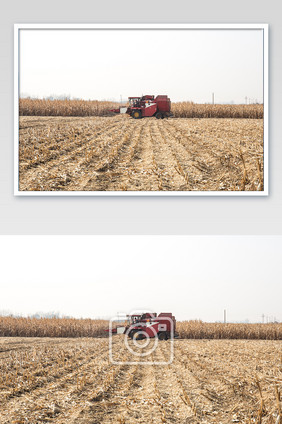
43	107
194	110
51	327
72	327
204	330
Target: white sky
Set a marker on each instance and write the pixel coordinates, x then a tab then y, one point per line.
106	64
98	276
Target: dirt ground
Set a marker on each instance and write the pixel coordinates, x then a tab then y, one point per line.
123	154
67	381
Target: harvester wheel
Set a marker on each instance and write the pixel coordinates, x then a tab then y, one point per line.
138	335
131	334
136	114
162	336
159	115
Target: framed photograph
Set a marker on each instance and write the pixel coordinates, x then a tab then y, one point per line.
141	109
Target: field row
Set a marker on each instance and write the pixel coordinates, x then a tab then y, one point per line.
123	154
72	381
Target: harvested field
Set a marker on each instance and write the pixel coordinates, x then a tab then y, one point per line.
123	154
72	381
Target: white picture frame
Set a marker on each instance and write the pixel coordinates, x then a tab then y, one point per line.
19	27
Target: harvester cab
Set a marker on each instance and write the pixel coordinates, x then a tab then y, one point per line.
134	101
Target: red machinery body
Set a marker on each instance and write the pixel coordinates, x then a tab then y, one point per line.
140	107
149	325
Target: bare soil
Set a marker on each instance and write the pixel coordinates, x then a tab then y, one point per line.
123	154
68	381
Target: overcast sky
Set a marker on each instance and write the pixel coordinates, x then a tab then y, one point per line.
107	64
195	277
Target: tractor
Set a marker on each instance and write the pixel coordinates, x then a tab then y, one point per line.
145	106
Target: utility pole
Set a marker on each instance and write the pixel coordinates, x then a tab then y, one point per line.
262	318
121	98
246	100
213	98
224	316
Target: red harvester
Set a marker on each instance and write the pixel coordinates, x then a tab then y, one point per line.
140	107
149	325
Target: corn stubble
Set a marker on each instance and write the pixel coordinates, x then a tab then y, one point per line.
119	153
69	381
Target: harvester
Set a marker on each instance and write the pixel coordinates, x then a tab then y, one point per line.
148	325
140	107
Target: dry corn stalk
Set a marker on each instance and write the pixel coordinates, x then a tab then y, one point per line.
45	107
